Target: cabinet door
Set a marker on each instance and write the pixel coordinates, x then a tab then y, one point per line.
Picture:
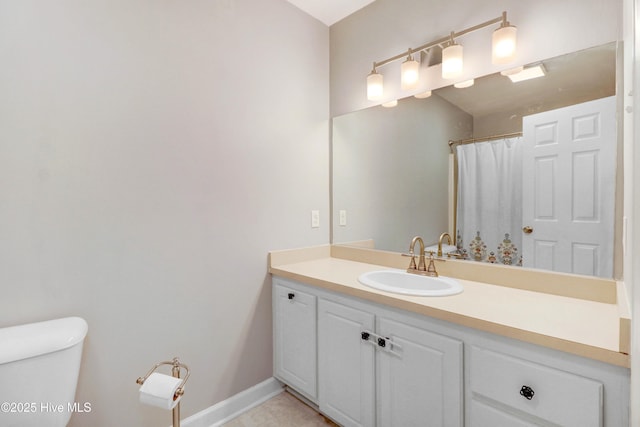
345	365
420	383
294	321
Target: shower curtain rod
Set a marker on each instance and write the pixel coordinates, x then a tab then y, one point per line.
486	138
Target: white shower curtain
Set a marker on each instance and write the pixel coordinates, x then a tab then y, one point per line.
490	200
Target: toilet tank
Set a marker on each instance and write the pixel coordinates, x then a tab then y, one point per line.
39	366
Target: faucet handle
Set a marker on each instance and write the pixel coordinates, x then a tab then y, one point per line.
456	255
412	264
431	269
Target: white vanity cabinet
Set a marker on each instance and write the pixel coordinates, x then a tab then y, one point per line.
376	366
384	367
294	338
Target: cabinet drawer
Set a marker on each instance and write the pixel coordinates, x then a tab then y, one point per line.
485	415
558	397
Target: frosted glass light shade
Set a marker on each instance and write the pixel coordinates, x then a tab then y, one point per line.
410	73
504	45
464	84
423	95
374	86
452	61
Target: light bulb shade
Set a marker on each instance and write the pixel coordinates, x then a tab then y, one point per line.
423	95
374	86
410	73
464	84
452	61
504	45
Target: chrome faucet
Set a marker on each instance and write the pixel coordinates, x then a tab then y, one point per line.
442	236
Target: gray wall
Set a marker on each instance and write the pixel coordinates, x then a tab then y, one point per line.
390	169
151	153
385	28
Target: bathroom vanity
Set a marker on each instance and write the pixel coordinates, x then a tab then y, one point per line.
494	355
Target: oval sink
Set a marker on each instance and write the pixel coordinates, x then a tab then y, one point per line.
401	282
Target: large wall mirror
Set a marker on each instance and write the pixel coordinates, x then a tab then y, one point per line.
397	175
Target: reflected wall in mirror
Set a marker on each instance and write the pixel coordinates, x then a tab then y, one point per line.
392	168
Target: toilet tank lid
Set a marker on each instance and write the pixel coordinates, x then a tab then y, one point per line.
34	339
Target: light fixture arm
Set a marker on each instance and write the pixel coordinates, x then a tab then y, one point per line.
502	19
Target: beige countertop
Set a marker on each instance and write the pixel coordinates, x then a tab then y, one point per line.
585	327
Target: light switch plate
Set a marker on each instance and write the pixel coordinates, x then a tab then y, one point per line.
343	218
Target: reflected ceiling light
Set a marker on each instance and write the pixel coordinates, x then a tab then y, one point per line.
390	104
423	95
503	51
529	73
511	71
409	73
452	60
464	84
375	86
503	42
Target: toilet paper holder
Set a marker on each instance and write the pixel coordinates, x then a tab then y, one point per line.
176	367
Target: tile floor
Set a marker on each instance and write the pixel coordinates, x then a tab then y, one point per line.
283	410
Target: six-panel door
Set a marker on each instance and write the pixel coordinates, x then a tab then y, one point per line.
568	186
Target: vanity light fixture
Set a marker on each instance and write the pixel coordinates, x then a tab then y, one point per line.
528	73
375	86
464	84
503	42
452	60
410	72
503	50
390	104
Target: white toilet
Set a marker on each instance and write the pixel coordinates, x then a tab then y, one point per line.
39	365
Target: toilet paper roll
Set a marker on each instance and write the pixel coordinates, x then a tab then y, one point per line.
159	390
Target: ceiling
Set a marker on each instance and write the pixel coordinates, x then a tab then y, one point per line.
572	78
330	11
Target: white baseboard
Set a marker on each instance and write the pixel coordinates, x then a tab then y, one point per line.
225	411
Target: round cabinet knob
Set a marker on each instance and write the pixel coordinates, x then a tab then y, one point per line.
527	392
364	336
527	230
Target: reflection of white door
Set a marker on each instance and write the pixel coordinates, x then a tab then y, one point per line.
569	188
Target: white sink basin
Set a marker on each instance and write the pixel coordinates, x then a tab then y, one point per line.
401	282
